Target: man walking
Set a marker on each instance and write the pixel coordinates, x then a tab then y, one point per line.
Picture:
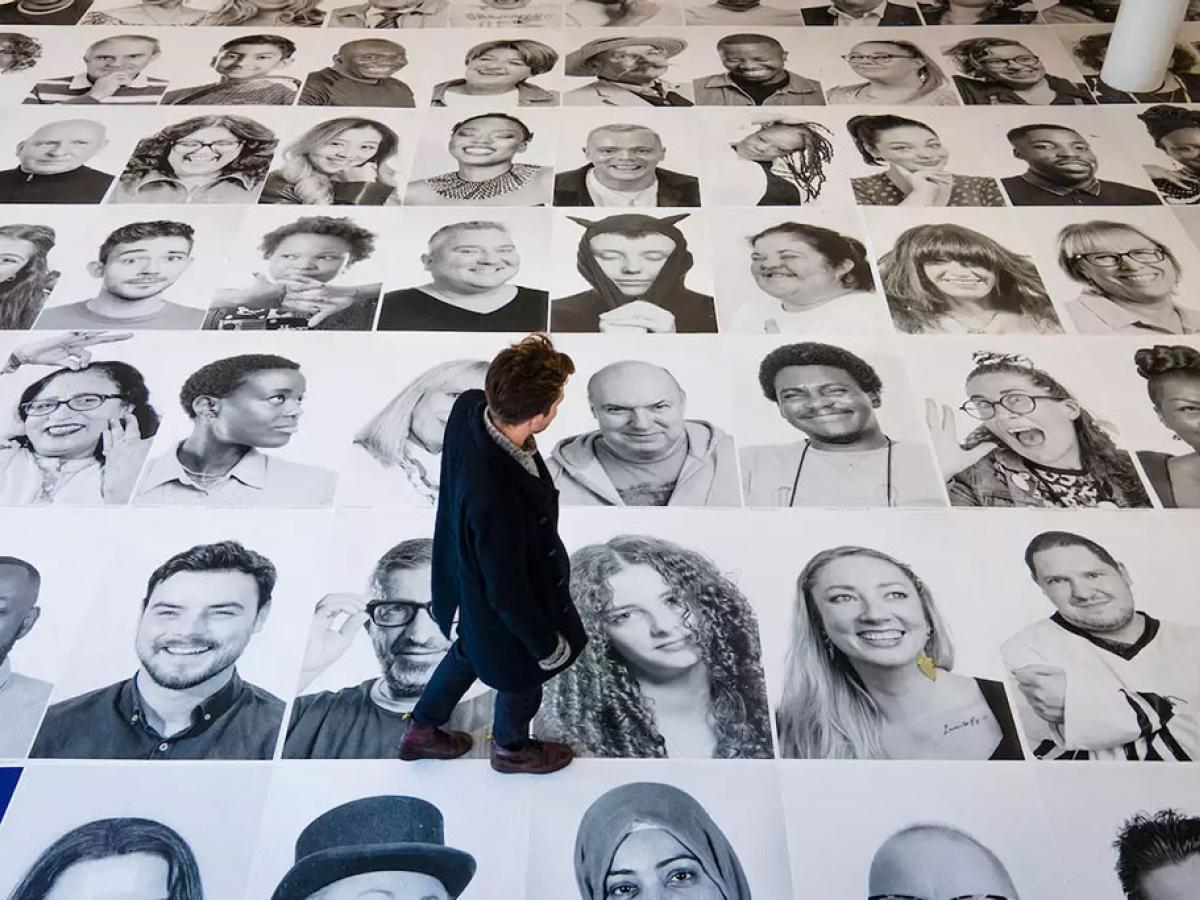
499	569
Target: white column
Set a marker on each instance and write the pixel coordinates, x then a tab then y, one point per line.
1142	41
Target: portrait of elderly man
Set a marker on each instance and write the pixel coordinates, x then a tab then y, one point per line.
1158	856
830	395
471	266
1061	171
52	166
367	720
628	71
645	451
186	700
361	75
1100	679
623	170
1004	71
386	847
934	860
859	14
22	698
114	73
755	75
391	14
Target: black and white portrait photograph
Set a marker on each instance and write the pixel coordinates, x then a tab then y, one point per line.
673	666
112	67
363	72
756	67
189	657
87	831
406	14
1169	151
958	272
595	14
499	14
1026	67
1080	12
626	70
1012	427
860	13
296	272
924	830
979	12
824	424
252	426
803	273
472	274
220	67
484	159
634	273
740	13
650	427
1180	82
30	256
630	159
491	71
886	68
1169	454
245	13
641	830
375	830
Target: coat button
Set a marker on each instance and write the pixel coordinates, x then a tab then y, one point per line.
553	553
543	520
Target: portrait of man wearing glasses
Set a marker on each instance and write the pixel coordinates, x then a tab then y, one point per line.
367	720
1003	71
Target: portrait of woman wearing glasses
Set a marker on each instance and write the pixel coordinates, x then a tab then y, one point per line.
1173	381
1130	281
978	12
1044	449
868	672
206	159
1003	71
896	72
82	431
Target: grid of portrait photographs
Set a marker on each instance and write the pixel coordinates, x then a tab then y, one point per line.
878	472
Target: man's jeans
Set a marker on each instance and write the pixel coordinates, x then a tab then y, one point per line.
453	676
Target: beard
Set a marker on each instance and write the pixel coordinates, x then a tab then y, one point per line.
178	673
405	675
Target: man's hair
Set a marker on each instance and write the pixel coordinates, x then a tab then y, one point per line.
622	128
525	379
1050	540
360	241
286	47
30	570
742	39
971	55
152	41
814	354
370	40
1149	842
223	556
1022	131
140	231
224	376
407	555
442	235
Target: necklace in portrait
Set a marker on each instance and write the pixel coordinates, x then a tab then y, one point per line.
453	186
887	487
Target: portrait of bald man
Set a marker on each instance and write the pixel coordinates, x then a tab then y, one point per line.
644	452
22	699
51	165
623	169
937	861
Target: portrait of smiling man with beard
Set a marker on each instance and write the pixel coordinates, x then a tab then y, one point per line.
1100	679
367	720
186	701
846	458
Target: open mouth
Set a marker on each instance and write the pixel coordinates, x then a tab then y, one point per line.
60	431
882	637
1141	277
829	414
186	650
1029	437
478	151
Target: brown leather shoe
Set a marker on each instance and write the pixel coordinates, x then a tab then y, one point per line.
535	758
423	741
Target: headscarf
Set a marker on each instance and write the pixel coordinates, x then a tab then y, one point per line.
670	277
632	807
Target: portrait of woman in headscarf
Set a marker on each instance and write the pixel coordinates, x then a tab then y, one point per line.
636	266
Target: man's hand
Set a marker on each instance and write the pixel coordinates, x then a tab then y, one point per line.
558	658
336	621
107	85
641	316
124	453
68	350
1045	687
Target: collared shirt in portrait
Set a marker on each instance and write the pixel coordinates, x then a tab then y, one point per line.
1095	314
1031	189
965	190
886	14
160	187
602	196
171	317
24	481
81	185
480	15
991	93
722	90
427	14
525	456
526	94
22	702
256	480
612	93
329	87
273	91
719	14
240	721
141	90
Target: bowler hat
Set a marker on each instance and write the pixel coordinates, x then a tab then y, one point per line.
577	60
375	834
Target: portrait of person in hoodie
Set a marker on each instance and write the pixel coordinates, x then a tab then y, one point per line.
645	452
636	266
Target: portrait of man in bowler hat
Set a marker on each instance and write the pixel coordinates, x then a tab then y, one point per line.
386	846
628	71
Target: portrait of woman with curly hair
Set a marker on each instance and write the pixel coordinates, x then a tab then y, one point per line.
26	278
1172	376
672	667
205	159
18	52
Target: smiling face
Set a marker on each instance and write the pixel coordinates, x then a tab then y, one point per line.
429	416
501	68
1060	155
196	625
263	411
346	150
67	433
487	141
964	282
1183	146
125	55
205	151
640	411
772	142
143	268
370	60
321	257
910	149
1046	435
384	886
790	269
15	253
651	863
825	403
1087	591
129	876
1129	281
624	159
871	611
1177	402
633	64
1013	65
647	626
472	260
60	147
632	263
867	60
408	654
242	62
760	62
